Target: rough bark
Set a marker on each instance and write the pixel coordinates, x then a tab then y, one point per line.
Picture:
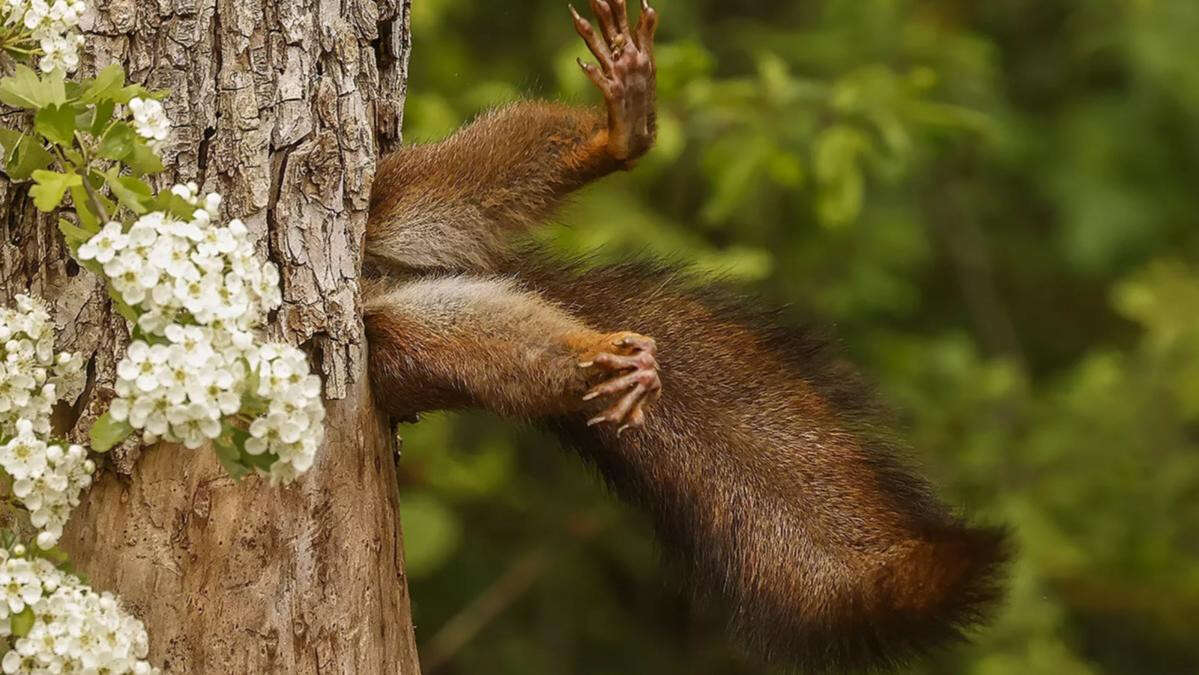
282	106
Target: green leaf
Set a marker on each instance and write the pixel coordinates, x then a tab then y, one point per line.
107	433
24	89
9	138
231	465
229	448
149	338
73	156
22	623
83	118
118	142
74	234
90	221
50	188
121	306
54	86
173	204
143	160
262	462
131	92
58	557
101	116
105	86
28	157
57	123
131	192
251	404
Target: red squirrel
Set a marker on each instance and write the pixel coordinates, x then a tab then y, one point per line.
752	445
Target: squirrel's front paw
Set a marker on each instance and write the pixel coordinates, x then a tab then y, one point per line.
635	366
626	74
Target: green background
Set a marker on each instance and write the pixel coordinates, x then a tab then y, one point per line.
995	204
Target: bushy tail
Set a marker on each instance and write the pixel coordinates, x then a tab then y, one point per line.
770	485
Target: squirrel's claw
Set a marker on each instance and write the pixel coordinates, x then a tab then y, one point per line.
621	13
647	25
597	46
647	378
603	12
638	383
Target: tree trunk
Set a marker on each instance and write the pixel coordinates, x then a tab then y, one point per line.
282	106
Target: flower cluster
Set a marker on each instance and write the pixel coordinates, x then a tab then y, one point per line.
32	376
180	391
199	292
47	479
187	271
54	26
150	121
54	623
292	426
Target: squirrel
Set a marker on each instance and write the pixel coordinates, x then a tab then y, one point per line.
761	466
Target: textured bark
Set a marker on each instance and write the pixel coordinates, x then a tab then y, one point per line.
283	107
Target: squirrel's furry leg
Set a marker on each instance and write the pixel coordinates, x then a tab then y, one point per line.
451	205
483	342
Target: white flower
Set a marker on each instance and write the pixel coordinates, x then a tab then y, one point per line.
142	364
199	295
53	26
218	393
74	628
32	376
149	412
150	121
25	455
104	244
194	343
291	428
66	13
47	479
212	204
142	235
188	192
19	585
60	52
35	14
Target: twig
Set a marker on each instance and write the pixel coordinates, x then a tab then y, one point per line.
521	575
461	629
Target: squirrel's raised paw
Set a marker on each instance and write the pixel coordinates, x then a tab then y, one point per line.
635	380
626	74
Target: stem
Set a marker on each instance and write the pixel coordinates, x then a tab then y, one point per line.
20	43
92	197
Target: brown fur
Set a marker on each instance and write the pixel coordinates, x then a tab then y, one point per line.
761	465
768	481
459	341
459	198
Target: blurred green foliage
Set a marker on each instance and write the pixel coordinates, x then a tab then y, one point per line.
995	202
